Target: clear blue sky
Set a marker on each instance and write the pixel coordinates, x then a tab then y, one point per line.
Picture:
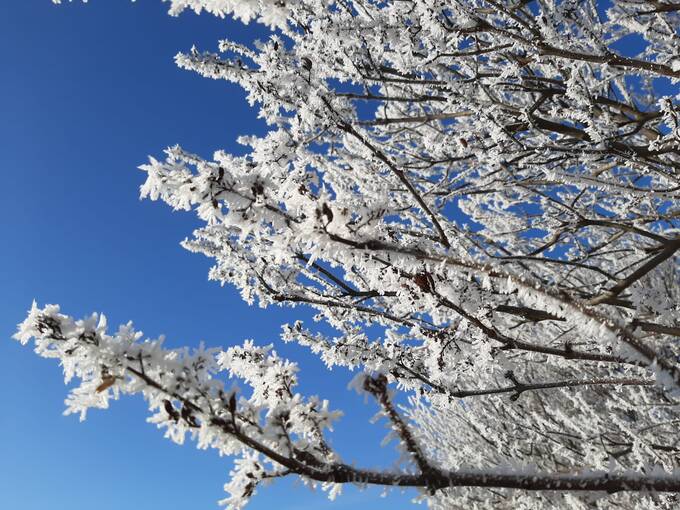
86	92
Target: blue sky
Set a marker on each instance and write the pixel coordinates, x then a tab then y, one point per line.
86	93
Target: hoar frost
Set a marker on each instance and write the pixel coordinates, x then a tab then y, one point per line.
479	199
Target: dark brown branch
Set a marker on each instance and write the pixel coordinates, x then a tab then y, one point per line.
667	252
518	388
419	119
661	8
402	177
510	343
528	313
377	386
545	260
430	478
622	226
651	327
398	99
435	479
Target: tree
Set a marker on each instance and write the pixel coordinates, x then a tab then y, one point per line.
480	198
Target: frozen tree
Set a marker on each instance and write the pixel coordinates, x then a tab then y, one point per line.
479	199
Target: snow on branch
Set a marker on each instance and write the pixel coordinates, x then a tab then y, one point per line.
185	397
479	200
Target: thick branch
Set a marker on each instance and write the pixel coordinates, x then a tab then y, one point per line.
377	386
518	388
667	252
434	479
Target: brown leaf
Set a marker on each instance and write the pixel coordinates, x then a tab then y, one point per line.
107	382
424	281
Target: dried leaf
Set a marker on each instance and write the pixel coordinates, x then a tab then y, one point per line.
107	382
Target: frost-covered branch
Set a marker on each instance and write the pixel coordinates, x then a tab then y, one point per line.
289	438
478	198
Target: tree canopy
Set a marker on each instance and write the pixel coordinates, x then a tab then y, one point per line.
479	198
